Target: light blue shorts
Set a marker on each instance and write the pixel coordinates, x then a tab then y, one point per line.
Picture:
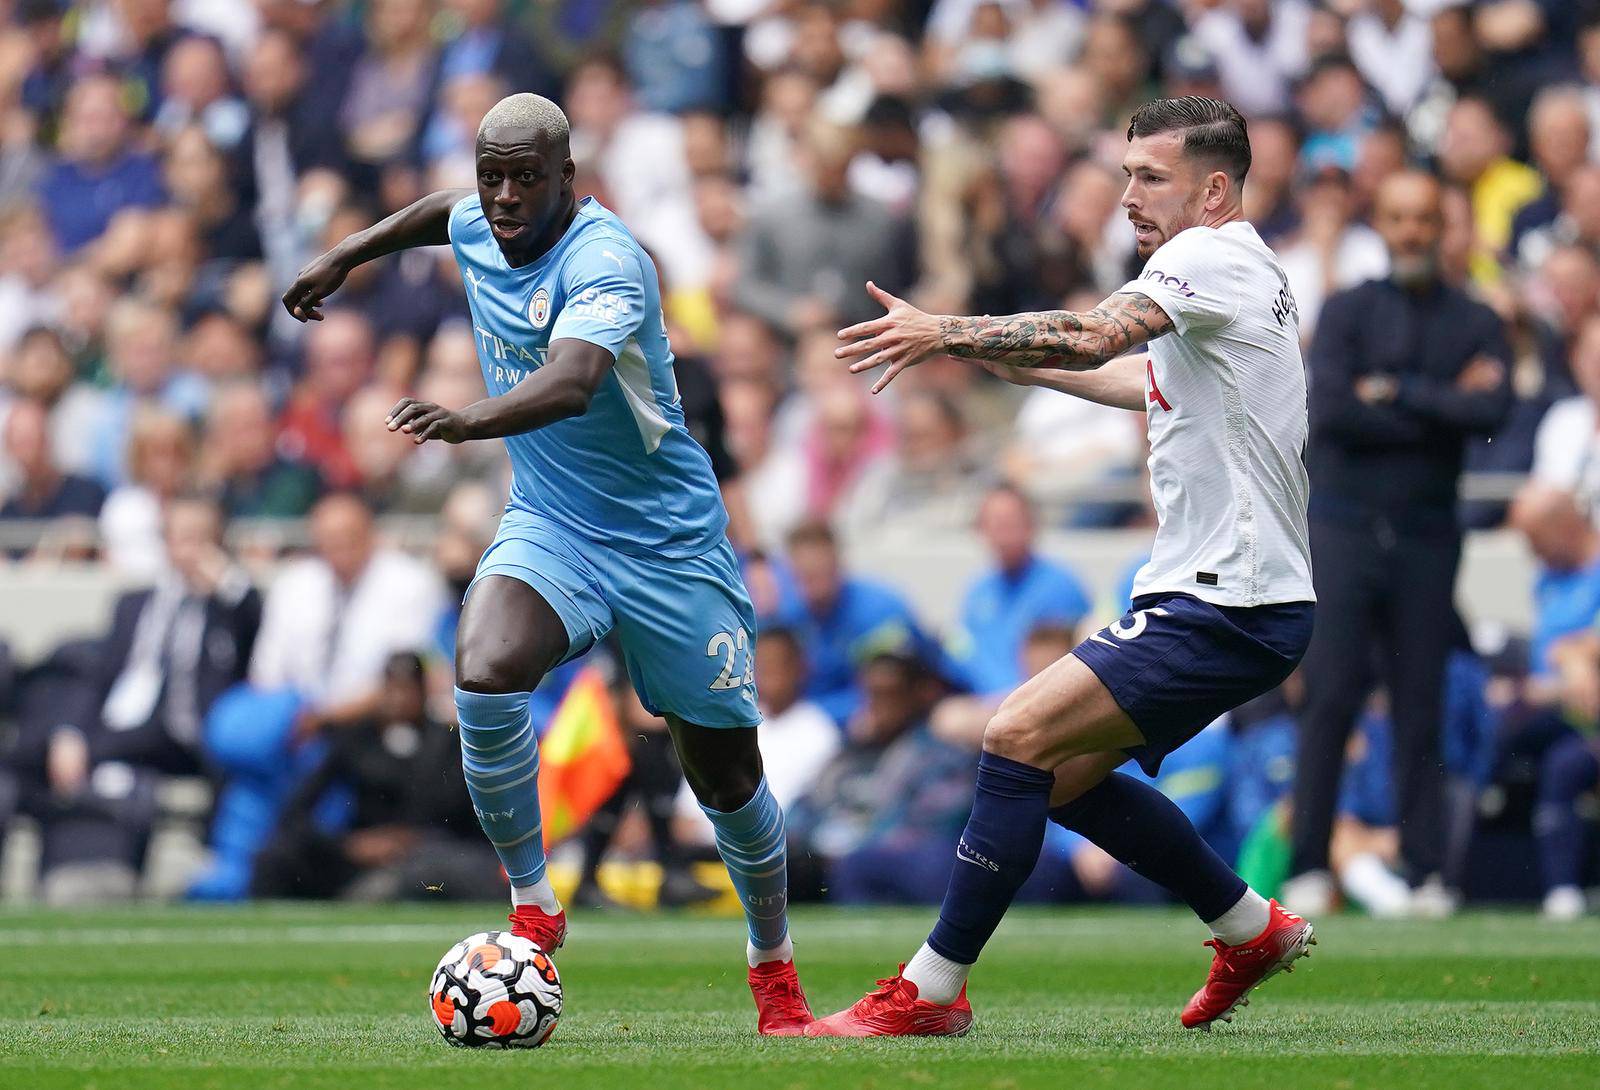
686	627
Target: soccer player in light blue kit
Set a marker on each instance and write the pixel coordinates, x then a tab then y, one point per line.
614	523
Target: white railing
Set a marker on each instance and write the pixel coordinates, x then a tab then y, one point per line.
416	532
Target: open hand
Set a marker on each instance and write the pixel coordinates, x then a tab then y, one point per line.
423	420
315	283
902	338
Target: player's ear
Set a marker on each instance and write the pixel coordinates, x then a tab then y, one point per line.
569	170
1217	187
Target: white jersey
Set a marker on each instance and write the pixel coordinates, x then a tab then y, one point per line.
1225	396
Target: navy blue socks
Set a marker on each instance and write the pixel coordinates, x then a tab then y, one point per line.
996	853
1130	820
1146	832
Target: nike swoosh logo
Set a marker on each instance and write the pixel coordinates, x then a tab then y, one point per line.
967	855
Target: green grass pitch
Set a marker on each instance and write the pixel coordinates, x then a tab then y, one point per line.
333	996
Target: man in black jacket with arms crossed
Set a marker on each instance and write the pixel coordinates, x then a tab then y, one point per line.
1403	371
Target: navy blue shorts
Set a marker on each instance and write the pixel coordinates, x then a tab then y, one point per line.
1175	664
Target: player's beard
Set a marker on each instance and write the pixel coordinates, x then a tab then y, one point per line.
1147	243
1192	214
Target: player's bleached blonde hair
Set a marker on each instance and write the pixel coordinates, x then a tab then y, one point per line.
527	111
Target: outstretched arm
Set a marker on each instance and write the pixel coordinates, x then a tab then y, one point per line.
560	389
425	223
1120	383
1058	339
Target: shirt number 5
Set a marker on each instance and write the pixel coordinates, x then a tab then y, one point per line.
1130	627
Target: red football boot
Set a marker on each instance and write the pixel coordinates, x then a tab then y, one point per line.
781	1007
1237	969
545	931
895	1011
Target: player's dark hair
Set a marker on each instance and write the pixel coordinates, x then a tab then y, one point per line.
1212	130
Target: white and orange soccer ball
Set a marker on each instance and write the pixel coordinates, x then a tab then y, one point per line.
495	990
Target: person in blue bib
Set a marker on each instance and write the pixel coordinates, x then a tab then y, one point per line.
614	523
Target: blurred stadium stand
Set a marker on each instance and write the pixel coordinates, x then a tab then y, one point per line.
45	606
167	165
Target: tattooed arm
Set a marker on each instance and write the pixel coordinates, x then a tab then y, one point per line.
1058	339
1054	340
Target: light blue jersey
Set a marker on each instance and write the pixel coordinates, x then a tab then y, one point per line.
626	473
615	518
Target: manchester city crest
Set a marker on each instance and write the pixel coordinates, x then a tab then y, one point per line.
539	309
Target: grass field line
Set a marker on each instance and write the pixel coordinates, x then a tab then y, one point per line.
636	928
310	934
1346	939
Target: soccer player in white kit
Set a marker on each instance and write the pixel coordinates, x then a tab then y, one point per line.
1220	614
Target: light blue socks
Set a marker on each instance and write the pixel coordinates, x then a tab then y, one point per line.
500	756
751	842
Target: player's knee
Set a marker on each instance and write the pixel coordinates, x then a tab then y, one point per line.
722	766
507	641
726	790
724	777
486	672
1014	734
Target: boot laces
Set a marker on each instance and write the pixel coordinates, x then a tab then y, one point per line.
888	988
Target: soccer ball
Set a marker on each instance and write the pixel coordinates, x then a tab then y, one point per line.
495	990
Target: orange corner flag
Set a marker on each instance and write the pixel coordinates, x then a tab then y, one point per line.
582	757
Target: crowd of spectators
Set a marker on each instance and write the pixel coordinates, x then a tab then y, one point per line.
167	165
